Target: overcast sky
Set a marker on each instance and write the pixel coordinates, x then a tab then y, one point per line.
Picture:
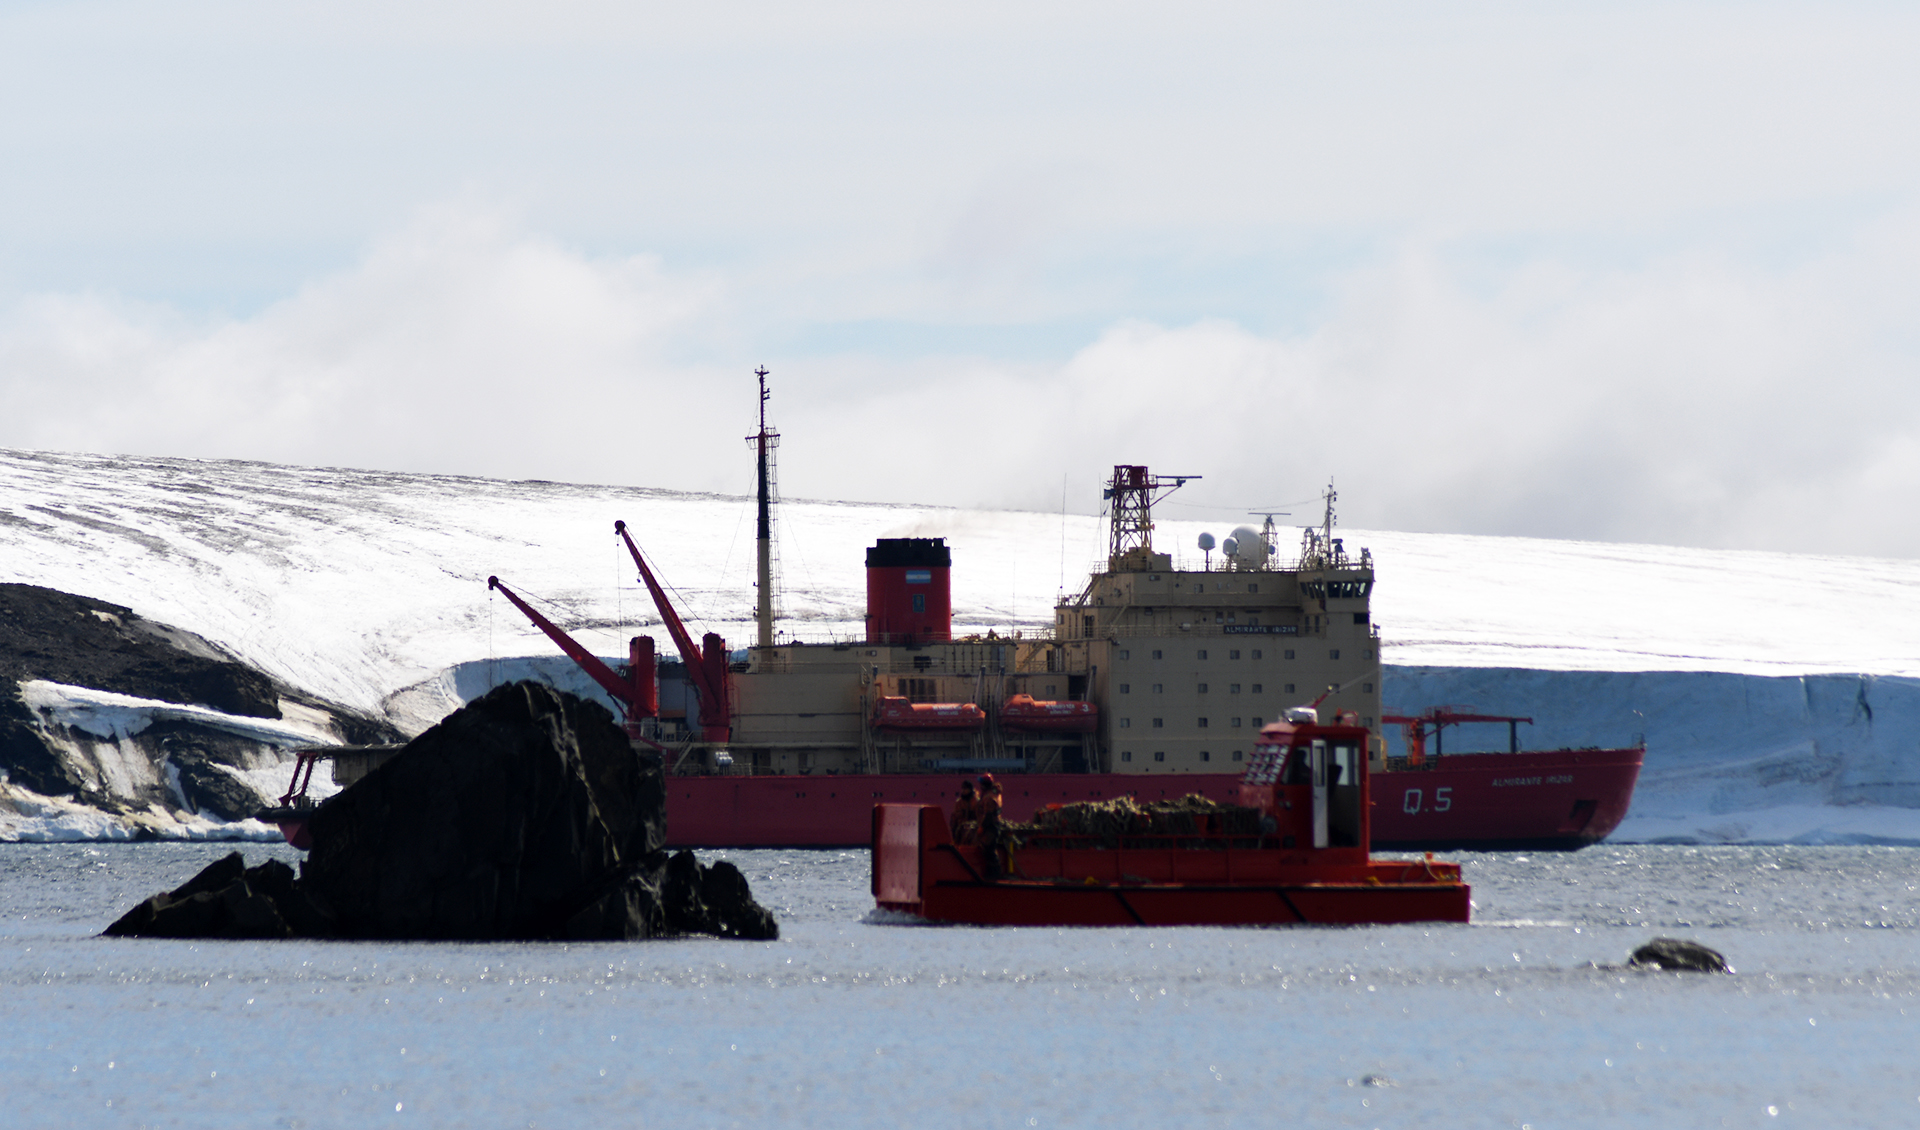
1609	271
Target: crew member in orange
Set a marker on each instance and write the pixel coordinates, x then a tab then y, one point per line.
990	835
989	799
965	822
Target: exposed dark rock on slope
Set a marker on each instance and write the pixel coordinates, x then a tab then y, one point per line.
79	641
63	638
525	815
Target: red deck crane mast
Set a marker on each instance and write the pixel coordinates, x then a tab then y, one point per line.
706	665
1439	718
638	694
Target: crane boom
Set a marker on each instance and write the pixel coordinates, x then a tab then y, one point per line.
689	654
631	694
708	670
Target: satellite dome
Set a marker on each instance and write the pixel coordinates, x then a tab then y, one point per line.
1206	542
1247	548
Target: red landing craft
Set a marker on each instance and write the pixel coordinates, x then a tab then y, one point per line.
1310	865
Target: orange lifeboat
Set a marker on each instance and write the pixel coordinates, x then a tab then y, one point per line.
897	714
1024	712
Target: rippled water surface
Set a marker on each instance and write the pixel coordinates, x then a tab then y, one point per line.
1512	1021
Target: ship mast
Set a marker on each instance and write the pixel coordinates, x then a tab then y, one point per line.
1131	494
764	441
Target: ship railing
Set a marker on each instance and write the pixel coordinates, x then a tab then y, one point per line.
1249	632
942	658
1207	840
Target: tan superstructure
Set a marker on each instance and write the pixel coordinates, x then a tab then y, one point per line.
1185	667
807	707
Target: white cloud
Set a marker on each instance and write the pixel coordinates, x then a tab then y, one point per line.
1697	400
457	345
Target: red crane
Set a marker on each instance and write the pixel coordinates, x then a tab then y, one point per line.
1439	718
638	695
706	665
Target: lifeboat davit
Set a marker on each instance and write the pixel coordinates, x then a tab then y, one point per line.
1024	712
897	714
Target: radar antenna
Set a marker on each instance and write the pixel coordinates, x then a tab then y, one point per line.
1270	533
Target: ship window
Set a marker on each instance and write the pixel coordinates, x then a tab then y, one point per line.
1333	653
1369	653
1257	654
1159	755
1250	588
1125	654
1156	688
1367	687
1259	722
1367	721
1289	688
1205	756
1238	754
919	602
1127	688
1202	723
1235	654
1256	687
1086	625
1233	688
1359	617
1203	653
1156	653
1289	653
1235	723
1158	723
1126	755
1199	588
1203	688
1125	722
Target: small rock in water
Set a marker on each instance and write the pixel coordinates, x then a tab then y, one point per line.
1679	954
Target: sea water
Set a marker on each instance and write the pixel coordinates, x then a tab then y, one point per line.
1521	1019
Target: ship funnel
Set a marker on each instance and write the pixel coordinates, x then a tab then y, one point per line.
909	596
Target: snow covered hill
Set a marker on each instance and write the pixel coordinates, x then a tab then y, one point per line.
369	588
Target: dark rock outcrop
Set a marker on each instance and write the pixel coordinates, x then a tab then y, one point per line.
1678	954
227	900
700	899
525	815
80	641
64	638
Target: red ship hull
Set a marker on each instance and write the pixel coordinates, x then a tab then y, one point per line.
1471	802
1556	801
